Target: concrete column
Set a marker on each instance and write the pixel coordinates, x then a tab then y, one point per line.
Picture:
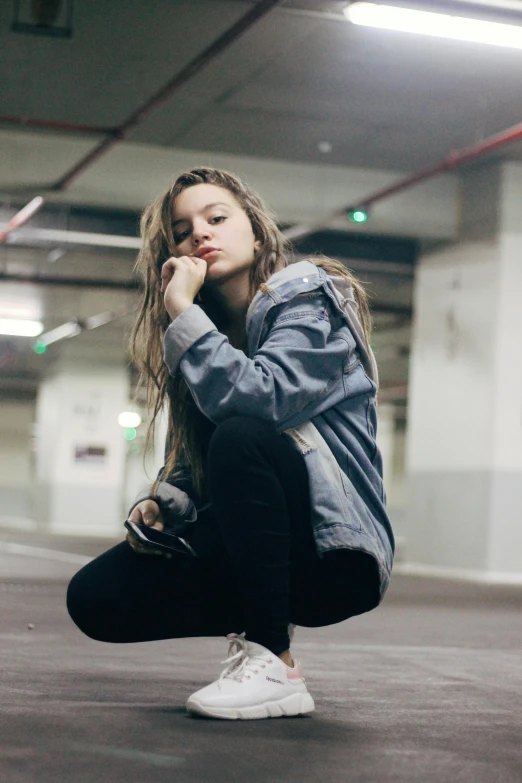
464	445
390	439
80	454
16	468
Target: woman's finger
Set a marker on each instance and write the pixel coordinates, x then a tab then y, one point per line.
141	549
167	272
171	264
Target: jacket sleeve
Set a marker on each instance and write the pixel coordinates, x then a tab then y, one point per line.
298	363
174	496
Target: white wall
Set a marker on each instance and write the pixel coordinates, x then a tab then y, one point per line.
16	461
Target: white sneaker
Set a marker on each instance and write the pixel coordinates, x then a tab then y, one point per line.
255	684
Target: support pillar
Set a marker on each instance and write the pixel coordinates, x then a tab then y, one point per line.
80	449
464	443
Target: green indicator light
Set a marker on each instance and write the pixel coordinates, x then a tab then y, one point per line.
39	347
129	433
358	216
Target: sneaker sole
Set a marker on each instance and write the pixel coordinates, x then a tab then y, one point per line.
295	704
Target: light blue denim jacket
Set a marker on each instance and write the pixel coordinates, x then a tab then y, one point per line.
308	372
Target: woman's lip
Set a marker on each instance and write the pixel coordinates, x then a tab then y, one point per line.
209	252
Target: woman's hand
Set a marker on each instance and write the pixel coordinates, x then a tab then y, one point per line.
181	280
145	513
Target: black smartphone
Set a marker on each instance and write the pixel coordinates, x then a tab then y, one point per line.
150	536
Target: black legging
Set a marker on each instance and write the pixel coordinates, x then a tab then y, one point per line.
258	567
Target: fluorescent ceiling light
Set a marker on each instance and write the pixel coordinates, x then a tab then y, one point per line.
24	309
69	329
20	327
129	419
458	28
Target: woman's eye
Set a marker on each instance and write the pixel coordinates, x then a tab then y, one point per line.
217	219
180	237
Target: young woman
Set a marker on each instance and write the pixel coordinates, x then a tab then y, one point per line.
272	471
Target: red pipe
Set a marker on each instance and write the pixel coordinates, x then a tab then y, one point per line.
453	161
21	217
159	97
70	127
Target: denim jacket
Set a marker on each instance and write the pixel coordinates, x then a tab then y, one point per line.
308	372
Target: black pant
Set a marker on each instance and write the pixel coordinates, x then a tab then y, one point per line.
258	567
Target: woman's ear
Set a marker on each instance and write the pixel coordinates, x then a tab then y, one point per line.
257	245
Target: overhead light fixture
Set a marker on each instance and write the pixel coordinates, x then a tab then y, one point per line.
23	309
129	419
459	28
56	254
70	329
325	147
20	327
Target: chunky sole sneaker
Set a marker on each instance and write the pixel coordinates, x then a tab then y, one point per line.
295	704
255	684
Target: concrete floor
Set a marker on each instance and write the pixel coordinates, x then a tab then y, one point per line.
426	688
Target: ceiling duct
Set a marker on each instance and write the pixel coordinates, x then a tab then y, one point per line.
43	17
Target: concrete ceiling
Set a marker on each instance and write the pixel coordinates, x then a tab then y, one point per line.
301	76
300	81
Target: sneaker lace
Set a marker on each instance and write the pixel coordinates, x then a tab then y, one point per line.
239	663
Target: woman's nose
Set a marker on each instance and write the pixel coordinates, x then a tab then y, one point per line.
200	233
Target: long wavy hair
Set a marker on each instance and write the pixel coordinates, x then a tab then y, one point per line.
186	424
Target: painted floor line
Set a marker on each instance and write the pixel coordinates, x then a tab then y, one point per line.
45	554
128	754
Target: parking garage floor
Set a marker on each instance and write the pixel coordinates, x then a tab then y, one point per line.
426	688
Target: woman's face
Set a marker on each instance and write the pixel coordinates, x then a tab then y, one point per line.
209	223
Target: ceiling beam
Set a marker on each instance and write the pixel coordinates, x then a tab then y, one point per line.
138	116
71	282
134	285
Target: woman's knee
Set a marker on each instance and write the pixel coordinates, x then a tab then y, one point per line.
237	435
89	607
238	427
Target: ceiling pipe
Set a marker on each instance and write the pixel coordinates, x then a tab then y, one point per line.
69	127
453	161
33	236
78	325
163	94
21	217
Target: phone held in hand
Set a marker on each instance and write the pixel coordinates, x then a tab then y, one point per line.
158	539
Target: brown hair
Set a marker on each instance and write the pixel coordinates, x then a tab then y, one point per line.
185	421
